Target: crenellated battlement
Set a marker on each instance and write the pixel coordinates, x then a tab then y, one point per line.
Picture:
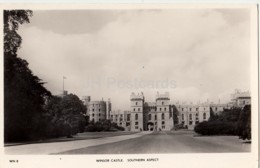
165	96
138	96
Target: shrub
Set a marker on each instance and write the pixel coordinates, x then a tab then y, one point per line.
216	128
103	125
244	123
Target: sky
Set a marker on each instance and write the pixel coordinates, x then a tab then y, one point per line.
194	54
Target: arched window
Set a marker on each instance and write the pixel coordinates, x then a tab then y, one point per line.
150	116
155	117
162	116
204	116
136	116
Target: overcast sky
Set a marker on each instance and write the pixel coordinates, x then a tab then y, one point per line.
194	54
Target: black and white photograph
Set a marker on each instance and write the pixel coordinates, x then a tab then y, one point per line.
120	81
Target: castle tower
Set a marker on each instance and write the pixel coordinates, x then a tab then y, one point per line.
137	104
86	99
164	118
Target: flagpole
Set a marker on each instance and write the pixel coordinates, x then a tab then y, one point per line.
63	85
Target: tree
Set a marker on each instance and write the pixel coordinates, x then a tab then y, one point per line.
244	123
24	93
66	113
175	114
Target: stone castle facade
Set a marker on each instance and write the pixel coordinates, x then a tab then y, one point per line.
97	110
159	115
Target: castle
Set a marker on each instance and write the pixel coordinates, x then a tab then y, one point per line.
159	115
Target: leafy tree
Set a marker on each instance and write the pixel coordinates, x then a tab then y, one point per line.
175	114
24	93
66	113
244	123
228	115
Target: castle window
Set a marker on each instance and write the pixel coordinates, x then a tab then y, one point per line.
164	109
190	109
150	116
136	116
182	109
128	117
155	117
138	109
163	122
99	114
190	116
190	122
111	116
134	109
182	116
136	103
120	123
93	115
197	109
162	116
162	103
136	123
204	116
204	109
99	110
136	127
160	109
216	108
93	110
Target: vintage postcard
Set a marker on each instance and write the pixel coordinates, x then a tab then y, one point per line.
130	85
